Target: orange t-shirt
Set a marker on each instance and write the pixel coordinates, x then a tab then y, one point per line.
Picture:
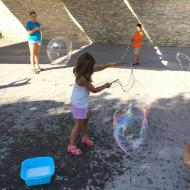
137	39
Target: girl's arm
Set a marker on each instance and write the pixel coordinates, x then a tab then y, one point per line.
30	30
33	30
93	89
104	66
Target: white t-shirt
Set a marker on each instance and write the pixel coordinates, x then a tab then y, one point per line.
80	96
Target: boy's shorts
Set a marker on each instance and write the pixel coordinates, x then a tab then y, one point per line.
136	51
79	113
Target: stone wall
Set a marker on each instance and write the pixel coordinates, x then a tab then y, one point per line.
166	22
104	20
10	26
53	17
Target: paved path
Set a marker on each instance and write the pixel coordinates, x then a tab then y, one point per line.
36	121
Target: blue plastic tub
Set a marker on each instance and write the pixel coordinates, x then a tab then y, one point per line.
37	171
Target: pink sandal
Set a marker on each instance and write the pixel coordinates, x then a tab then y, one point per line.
74	150
87	142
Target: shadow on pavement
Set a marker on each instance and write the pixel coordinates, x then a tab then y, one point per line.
42	128
151	58
17	83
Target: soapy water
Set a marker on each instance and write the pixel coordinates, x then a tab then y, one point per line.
38	171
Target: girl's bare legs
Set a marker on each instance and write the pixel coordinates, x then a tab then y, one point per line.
79	125
85	134
84	129
37	55
32	48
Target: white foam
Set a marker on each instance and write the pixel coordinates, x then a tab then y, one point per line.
38	171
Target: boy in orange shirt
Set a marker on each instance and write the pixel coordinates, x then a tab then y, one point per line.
137	44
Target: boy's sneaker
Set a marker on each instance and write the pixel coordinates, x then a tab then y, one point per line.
74	150
87	141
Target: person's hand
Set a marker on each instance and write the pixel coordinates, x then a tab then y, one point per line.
37	28
115	63
107	85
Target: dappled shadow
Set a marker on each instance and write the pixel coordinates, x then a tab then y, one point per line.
159	163
17	83
42	128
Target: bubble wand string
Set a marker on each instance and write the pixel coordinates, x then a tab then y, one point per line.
125	52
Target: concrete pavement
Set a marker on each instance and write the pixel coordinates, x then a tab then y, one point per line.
36	121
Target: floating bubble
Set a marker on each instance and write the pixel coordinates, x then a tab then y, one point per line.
184	61
130	121
59	50
129	126
184	64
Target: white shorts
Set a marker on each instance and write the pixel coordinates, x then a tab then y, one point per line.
39	42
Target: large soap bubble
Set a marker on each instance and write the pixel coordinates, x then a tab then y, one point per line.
59	50
184	61
129	126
